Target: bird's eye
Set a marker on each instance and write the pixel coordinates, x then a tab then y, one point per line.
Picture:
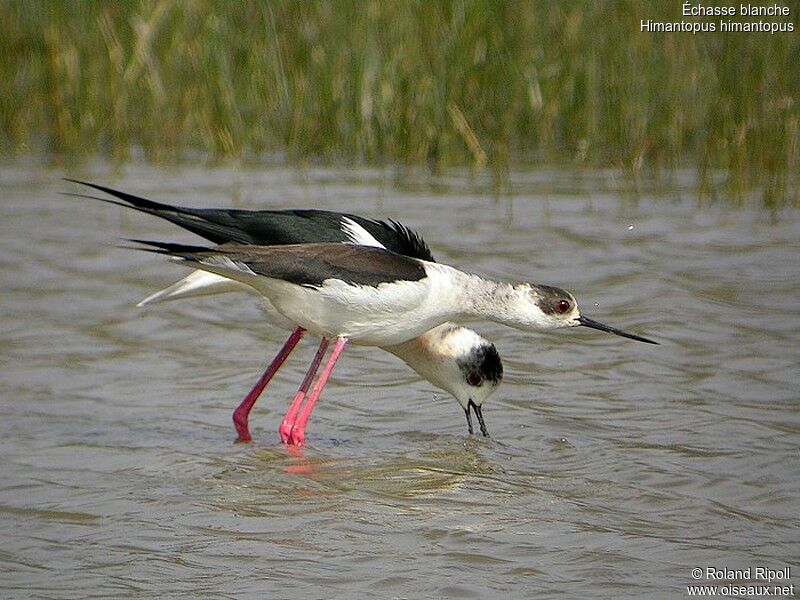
474	379
563	306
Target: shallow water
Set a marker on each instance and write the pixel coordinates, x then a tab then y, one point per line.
614	468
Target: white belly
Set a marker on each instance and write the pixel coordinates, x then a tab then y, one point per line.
389	314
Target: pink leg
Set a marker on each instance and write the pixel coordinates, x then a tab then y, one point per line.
242	412
298	433
288	421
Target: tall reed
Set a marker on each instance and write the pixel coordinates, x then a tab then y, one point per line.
439	82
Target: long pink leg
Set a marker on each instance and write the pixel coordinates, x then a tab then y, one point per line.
242	412
285	429
298	434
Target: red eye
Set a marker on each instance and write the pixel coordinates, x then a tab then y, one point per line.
474	379
563	306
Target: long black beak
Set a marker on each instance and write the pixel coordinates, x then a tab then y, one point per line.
478	413
586	322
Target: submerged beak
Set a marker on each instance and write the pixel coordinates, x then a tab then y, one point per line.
586	322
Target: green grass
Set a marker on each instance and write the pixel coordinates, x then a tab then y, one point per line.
488	84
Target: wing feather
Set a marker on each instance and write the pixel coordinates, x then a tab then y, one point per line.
302	264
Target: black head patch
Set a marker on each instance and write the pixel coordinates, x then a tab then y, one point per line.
548	298
485	361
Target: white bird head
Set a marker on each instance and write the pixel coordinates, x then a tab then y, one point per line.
457	360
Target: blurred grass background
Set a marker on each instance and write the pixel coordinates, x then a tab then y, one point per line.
442	83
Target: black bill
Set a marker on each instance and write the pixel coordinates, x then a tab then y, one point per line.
479	414
586	322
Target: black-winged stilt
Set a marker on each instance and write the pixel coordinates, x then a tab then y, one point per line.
450	356
372	296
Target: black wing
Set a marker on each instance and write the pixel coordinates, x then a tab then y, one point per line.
272	227
302	264
397	237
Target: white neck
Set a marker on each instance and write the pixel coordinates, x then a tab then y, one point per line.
477	298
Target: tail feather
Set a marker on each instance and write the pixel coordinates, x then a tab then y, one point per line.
208	259
196	284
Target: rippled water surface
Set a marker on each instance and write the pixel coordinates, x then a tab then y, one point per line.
614	469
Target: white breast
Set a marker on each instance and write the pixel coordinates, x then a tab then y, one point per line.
388	314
